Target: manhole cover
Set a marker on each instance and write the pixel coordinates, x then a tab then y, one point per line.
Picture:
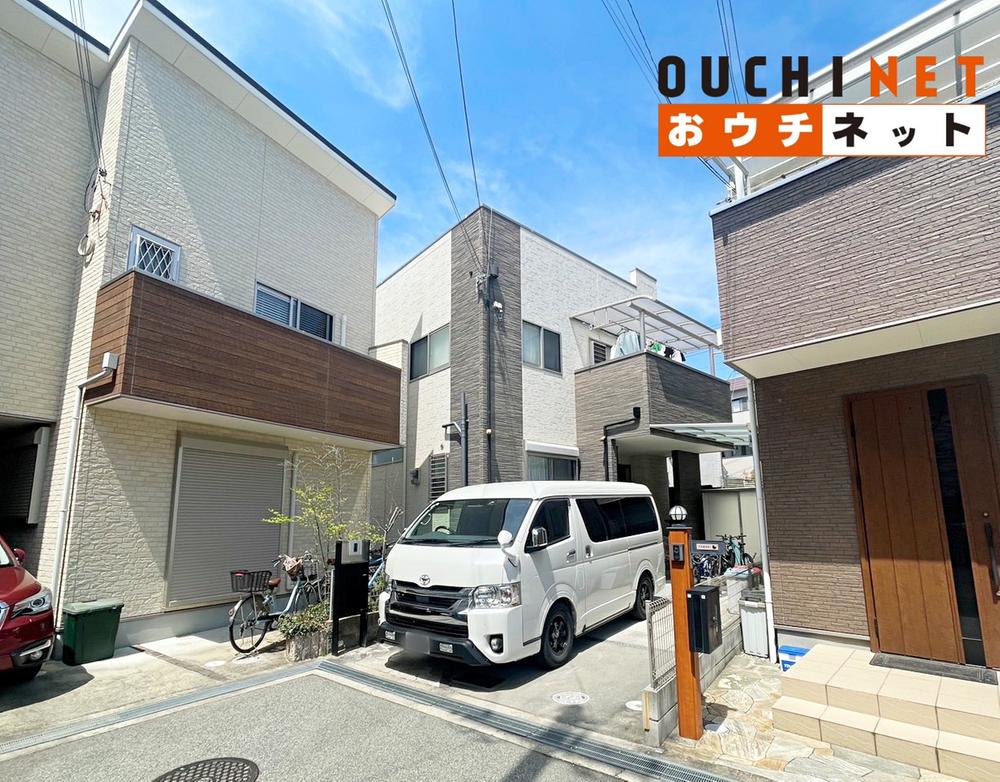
214	770
633	705
571	698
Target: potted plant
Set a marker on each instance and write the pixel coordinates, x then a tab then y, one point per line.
307	633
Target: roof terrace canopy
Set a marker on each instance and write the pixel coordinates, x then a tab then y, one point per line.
652	319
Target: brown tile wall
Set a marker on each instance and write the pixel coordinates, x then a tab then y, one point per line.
813	542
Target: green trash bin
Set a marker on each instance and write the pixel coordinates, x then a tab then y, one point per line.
89	630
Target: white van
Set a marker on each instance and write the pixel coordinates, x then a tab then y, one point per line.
498	572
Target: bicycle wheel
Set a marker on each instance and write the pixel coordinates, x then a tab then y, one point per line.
247	628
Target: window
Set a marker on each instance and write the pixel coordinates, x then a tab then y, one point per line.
431	353
599	352
739	450
603	517
740	404
153	255
540	347
288	311
437	468
551	468
640	517
468	522
553	517
388	456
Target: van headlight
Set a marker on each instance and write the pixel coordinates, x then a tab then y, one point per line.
497	595
38	603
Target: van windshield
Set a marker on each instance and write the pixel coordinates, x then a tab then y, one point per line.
467	522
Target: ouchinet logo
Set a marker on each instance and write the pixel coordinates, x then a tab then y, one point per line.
425	580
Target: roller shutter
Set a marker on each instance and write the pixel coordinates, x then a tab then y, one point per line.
222	495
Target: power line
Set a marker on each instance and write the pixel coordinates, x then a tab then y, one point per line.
724	27
649	72
739	54
638	24
465	105
427	131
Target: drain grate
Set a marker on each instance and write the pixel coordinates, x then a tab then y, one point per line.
555	737
968	673
214	770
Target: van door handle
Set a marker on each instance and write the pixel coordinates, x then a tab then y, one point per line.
587	551
994	567
571	556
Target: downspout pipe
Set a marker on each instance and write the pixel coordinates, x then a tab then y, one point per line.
630	422
109	363
765	559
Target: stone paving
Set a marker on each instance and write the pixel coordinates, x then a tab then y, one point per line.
739	733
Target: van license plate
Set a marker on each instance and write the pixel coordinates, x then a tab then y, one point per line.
446	648
390	635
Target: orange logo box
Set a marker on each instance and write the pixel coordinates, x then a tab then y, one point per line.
741	130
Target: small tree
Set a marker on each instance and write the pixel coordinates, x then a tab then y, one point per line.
330	498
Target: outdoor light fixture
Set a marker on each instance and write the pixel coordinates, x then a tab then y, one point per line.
677	513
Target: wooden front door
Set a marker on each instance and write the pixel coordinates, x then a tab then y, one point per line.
929	505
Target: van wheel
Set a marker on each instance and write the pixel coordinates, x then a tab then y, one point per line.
643	592
557	637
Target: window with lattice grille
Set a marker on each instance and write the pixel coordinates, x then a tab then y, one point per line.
154	255
438	469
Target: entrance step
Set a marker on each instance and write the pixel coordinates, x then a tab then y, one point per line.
835	695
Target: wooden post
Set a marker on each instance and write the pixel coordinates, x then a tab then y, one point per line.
690	724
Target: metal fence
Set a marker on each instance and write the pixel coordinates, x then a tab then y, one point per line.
660	625
660	631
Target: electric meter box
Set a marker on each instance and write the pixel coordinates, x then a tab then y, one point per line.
704	618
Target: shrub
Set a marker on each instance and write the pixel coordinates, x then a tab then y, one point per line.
311	620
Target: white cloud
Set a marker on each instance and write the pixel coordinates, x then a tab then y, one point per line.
355	33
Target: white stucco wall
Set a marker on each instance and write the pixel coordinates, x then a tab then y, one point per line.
417	298
556	284
46	158
123	504
242	208
410	304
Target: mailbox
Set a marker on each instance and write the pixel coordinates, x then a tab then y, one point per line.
704	618
349	589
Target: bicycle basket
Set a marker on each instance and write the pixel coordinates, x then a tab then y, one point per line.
309	569
250	580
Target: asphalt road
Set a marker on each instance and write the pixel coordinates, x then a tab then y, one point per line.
308	728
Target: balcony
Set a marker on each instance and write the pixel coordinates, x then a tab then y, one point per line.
182	353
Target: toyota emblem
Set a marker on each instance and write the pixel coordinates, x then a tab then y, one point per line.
425	580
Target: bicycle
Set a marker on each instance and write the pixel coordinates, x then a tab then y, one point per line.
252	618
736	553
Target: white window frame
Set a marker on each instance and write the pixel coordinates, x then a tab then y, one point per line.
294	310
138	233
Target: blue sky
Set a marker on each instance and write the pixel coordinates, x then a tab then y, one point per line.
563	125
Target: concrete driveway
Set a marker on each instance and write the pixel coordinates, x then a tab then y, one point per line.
610	667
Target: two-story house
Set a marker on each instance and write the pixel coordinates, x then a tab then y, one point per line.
524	330
187	272
861	296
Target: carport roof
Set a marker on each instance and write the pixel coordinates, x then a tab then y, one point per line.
728	435
652	318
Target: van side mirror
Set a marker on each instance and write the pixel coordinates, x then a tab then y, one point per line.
539	538
505	538
19	554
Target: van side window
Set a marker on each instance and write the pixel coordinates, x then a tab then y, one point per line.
639	515
593	520
612	510
553	515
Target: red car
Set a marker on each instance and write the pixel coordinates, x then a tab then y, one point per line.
27	629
